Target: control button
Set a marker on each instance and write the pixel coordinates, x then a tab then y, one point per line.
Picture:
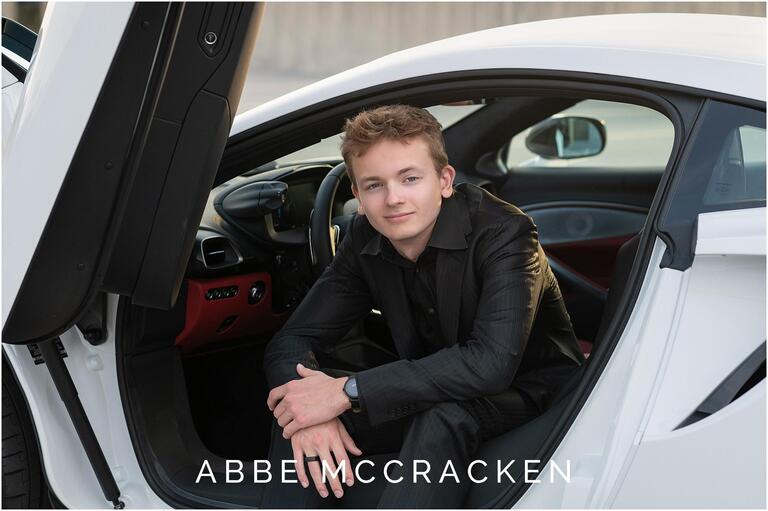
256	292
210	38
216	28
221	292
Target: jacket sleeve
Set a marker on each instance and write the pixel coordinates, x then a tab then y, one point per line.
337	300
511	287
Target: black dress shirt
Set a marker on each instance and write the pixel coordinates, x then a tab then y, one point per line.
419	280
499	320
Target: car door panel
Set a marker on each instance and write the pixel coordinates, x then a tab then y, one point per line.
73	119
592	259
158	74
583	215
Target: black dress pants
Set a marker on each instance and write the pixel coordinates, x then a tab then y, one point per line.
450	431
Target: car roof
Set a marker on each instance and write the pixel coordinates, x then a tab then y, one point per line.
718	53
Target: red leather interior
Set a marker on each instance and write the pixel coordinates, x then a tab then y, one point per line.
593	259
586	347
220	319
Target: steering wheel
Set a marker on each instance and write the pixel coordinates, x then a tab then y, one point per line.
324	235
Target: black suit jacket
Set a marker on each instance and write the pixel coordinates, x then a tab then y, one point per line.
498	302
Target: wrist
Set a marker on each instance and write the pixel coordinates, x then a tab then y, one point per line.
345	403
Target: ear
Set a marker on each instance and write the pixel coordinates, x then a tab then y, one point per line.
447	175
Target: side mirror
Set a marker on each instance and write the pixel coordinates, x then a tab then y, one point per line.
567	138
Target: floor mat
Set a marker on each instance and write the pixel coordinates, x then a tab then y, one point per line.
228	398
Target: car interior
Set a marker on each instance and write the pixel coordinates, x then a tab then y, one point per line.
585	169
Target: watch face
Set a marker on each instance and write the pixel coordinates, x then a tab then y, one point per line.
351	387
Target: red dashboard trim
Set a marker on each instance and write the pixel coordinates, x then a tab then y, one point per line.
206	320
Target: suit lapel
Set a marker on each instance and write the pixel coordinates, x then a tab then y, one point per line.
454	226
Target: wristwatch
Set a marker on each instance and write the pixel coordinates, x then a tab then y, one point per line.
350	389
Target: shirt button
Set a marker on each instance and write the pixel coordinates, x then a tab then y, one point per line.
431	310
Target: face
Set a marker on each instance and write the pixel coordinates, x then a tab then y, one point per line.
400	192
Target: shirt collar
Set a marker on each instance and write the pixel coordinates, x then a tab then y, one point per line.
450	231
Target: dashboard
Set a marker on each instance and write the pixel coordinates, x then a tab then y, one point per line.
258	224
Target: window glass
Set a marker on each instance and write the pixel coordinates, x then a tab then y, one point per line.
446	115
753	142
738	173
725	167
635	137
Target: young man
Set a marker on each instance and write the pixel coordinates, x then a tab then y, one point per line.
476	314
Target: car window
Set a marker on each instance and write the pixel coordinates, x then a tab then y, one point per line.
738	173
723	168
635	137
446	115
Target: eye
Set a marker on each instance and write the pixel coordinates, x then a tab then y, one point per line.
372	186
412	179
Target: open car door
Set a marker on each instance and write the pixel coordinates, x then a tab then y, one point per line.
119	133
113	149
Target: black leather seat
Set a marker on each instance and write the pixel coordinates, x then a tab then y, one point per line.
621	268
524	442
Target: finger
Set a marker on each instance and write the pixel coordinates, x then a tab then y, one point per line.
317	477
275	396
285	419
279	409
298	457
290	428
348	442
343	460
325	456
303	371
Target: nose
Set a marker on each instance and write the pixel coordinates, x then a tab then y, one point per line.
394	197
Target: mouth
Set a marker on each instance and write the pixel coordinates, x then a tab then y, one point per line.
398	217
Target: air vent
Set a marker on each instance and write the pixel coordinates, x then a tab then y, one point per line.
218	252
748	374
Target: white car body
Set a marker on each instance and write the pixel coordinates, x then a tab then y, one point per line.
670	48
625	448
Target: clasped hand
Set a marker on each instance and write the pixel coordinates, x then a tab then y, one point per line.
307	410
314	399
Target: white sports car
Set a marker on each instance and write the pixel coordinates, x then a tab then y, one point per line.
153	243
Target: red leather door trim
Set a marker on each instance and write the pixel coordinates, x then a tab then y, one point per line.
593	259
